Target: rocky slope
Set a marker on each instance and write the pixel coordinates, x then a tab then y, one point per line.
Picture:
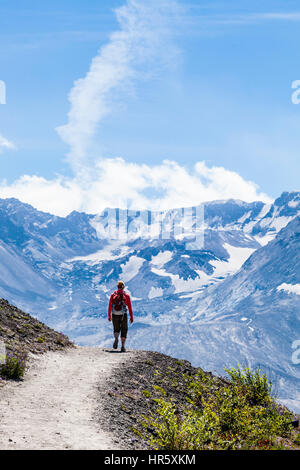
21	332
130	395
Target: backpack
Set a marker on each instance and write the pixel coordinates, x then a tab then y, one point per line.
118	301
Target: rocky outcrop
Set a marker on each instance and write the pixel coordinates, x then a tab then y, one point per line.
21	332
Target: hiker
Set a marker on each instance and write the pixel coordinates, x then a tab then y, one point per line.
119	303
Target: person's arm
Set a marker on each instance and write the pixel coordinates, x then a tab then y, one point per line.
110	307
129	307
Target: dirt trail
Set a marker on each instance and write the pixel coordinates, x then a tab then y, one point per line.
54	407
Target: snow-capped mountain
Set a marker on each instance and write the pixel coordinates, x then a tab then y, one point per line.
199	277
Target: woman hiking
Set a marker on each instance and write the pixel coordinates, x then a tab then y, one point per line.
119	303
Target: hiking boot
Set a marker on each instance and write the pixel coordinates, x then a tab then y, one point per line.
115	345
123	349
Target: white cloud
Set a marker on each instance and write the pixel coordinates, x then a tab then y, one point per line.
58	196
290	288
6	144
117	183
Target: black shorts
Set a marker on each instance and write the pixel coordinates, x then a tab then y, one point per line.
120	323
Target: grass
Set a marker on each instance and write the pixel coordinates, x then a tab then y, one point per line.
240	414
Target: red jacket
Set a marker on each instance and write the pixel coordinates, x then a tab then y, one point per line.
127	302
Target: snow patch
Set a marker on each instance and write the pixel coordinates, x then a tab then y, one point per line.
265	239
155	292
131	267
106	254
161	258
182	285
279	222
237	257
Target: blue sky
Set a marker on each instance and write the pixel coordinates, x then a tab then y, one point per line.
211	84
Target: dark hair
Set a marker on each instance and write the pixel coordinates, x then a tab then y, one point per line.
121	285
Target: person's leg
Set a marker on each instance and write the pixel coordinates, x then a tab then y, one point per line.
124	330
117	329
115	345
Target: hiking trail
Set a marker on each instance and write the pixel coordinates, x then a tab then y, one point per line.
58	404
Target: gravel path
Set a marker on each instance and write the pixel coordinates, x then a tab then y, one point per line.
54	406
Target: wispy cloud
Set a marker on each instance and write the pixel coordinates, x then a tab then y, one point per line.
208	19
282	16
143	39
251	18
5	144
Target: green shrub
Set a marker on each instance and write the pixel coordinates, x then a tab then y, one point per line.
255	385
238	415
61	339
14	366
173	431
159	389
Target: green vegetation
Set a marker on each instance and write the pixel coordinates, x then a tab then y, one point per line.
238	414
14	366
41	339
296	439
